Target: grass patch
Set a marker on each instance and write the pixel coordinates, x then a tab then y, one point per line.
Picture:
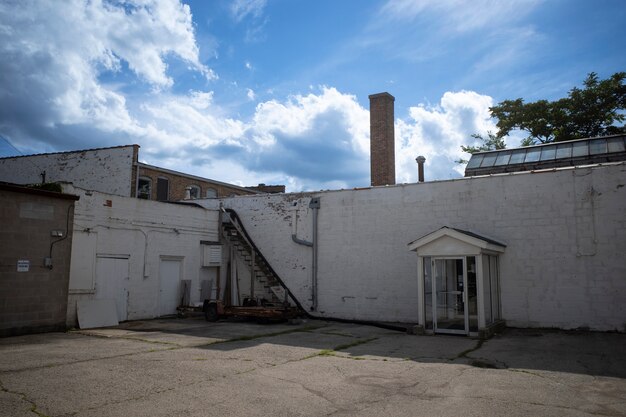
336	349
355	343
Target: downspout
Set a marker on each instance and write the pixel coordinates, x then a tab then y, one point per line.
315	205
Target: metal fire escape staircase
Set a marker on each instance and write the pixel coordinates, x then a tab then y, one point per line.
267	289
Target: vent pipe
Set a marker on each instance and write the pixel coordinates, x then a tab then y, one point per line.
420	168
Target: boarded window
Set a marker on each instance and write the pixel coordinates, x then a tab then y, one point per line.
163	188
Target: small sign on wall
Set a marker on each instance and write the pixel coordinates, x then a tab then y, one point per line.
23	265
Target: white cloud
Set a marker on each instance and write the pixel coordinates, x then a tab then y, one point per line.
54	53
241	9
314	141
53	96
437	133
248	65
460	15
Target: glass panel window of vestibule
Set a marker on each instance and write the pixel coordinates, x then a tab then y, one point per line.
487	289
472	293
428	293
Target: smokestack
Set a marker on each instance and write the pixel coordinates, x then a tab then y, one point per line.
420	168
382	138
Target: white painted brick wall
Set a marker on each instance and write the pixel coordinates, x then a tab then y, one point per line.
565	230
170	229
106	170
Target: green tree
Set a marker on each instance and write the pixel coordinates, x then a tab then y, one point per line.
597	109
489	143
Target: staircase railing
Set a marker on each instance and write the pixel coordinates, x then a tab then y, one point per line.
238	225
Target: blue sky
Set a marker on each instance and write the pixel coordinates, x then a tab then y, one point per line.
276	91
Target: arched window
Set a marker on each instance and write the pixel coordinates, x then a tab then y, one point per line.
194	191
144	188
211	193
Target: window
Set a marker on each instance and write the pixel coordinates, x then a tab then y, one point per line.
503	158
211	193
518	156
144	188
597	146
163	189
194	192
616	145
564	151
580	149
532	155
475	161
548	153
488	160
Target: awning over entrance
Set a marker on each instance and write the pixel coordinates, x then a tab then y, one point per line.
458	281
452	241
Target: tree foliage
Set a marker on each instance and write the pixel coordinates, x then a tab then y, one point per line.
597	109
489	143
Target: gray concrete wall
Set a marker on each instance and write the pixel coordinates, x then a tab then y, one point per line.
33	300
109	170
564	265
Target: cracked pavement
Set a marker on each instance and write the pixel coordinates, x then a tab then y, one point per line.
188	367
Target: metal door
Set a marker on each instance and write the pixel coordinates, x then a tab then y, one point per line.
169	291
112	277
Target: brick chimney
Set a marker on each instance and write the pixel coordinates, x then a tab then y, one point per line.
383	163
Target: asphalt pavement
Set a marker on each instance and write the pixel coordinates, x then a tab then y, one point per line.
189	367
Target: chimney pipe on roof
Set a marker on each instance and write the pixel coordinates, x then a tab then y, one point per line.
382	151
420	168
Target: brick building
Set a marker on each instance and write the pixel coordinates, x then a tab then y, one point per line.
155	183
117	170
35	248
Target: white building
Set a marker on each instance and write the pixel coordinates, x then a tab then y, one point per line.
146	255
561	260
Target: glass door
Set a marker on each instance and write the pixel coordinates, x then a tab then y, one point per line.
449	284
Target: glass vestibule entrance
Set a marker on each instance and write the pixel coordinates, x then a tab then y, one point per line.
453	295
458	282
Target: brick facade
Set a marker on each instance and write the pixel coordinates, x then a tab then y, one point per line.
178	183
382	137
267	189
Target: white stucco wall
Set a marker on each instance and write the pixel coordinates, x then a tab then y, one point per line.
565	230
108	170
145	231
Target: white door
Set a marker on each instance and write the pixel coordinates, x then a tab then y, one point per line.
112	276
169	291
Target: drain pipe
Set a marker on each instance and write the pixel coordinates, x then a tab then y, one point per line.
314	204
